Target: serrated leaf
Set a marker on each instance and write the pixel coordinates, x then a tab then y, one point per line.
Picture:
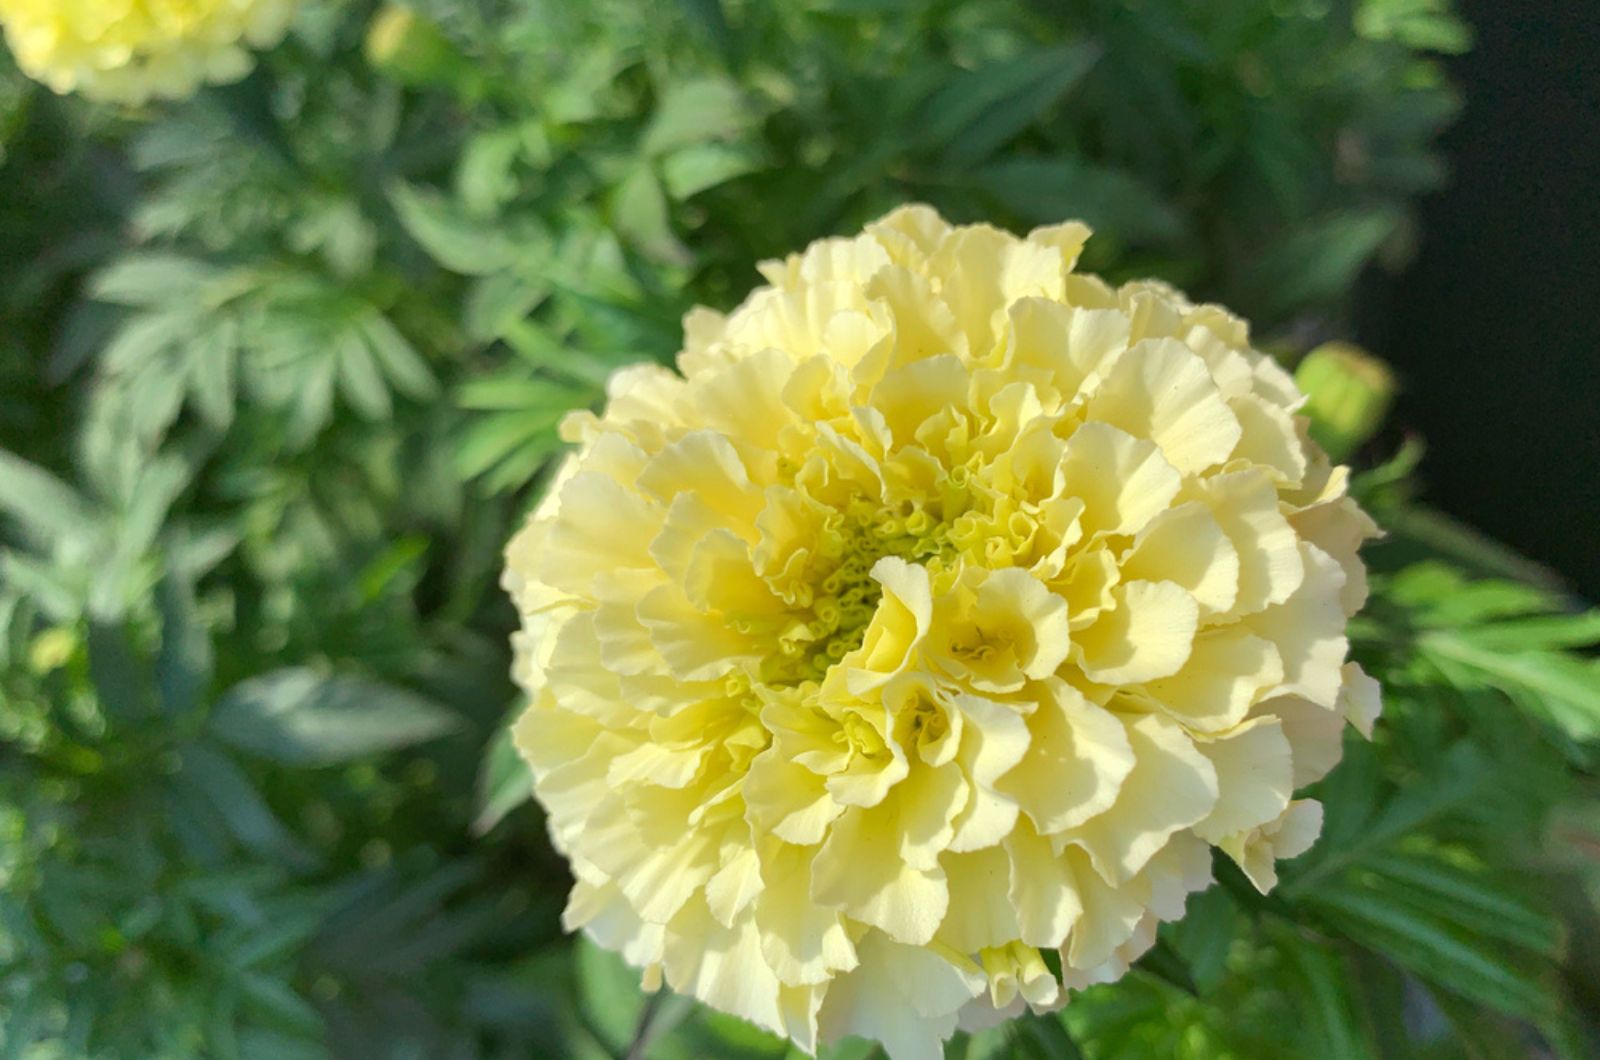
298	717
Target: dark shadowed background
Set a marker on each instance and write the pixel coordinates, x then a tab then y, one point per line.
1493	326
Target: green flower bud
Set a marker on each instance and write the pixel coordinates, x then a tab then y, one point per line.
1348	393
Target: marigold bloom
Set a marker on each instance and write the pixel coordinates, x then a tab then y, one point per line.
948	607
130	51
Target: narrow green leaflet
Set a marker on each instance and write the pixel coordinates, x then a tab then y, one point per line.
504	782
298	717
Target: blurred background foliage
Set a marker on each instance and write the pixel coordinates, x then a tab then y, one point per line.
279	374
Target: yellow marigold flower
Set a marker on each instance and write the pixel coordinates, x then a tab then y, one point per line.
130	51
945	607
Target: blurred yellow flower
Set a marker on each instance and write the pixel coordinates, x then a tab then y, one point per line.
946	607
130	51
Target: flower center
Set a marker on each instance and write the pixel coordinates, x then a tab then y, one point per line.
846	596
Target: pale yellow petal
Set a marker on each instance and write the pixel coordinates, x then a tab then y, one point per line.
1172	786
1160	390
1078	757
1186	546
1146	636
1255	777
1360	699
1123	481
1228	671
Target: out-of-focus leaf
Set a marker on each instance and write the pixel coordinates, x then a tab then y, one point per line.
183	665
151	279
218	783
1204	936
1042	1038
608	991
40	502
121	682
693	169
1425	939
640	213
696	111
504	782
1313	264
299	717
978	112
459	244
1566	686
1049	190
1322	989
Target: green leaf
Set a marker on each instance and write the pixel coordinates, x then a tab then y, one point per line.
278	1001
215	781
1547	632
120	681
401	362
359	380
1426	942
699	167
492	439
1466	897
504	781
980	111
1045	1037
1320	262
183	665
608	993
1050	190
151	279
1205	935
298	717
460	244
40	502
1322	987
1445	537
694	111
639	211
1565	686
1166	964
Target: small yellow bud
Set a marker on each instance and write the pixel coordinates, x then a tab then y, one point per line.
412	49
51	649
1348	393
